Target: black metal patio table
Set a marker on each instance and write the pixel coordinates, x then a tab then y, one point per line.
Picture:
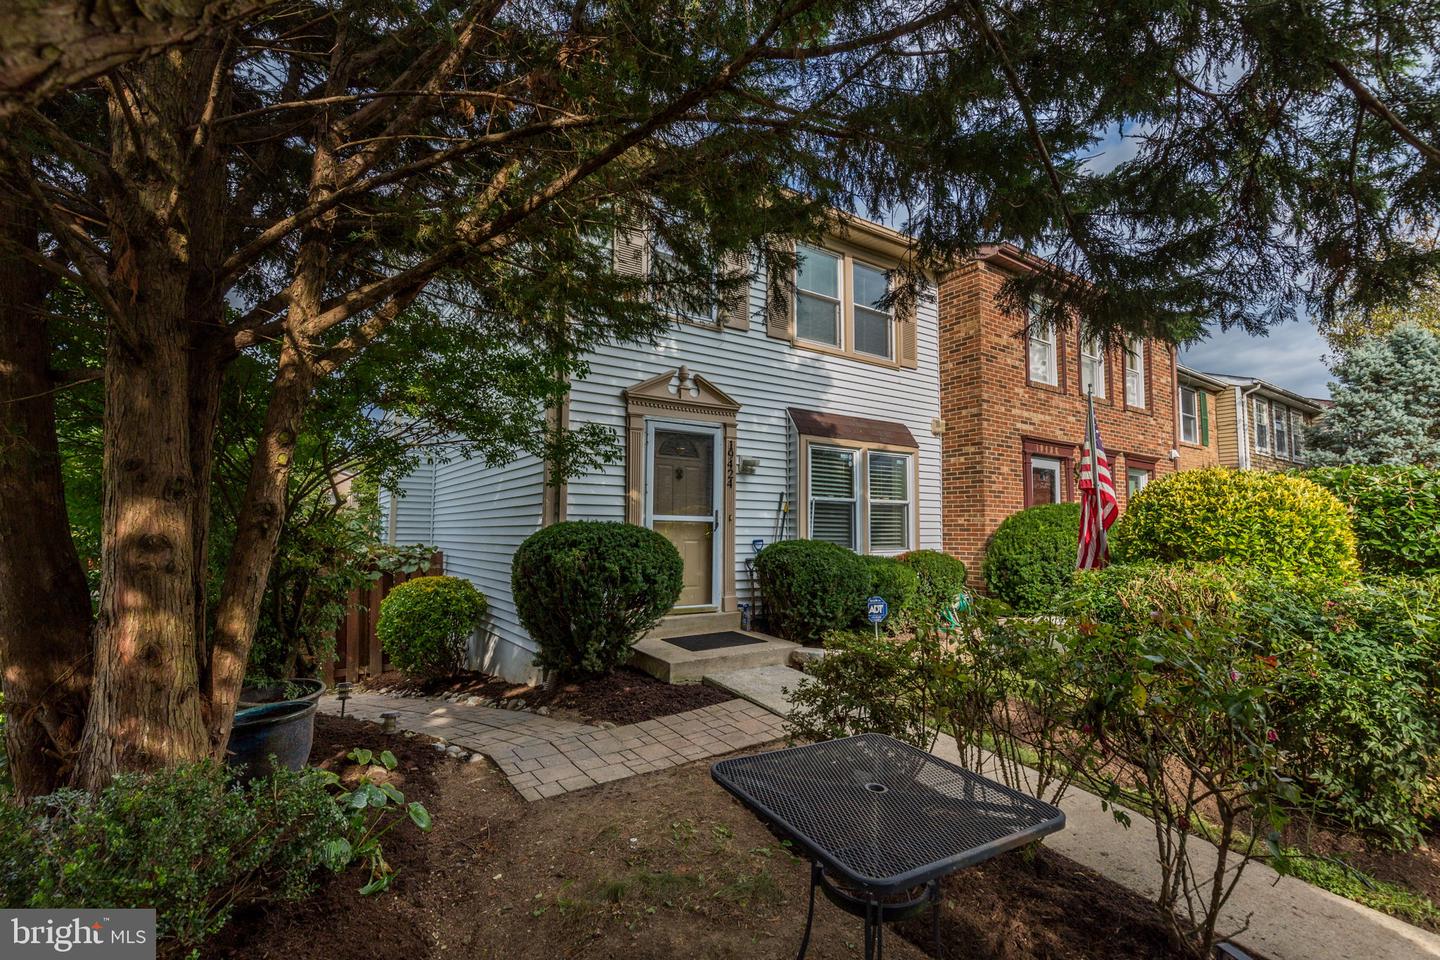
880	820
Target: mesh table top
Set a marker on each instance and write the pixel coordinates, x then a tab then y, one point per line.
882	815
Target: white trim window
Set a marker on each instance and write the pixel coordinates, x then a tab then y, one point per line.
1297	435
1136	479
873	322
833	499
1260	415
1280	415
1044	366
817	296
1189	414
1135	373
665	266
1092	366
888	485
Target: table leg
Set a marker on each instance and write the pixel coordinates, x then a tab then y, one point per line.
935	918
810	914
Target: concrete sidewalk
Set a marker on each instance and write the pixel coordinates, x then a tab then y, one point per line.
1287	918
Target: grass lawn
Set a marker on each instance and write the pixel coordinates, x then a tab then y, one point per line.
657	866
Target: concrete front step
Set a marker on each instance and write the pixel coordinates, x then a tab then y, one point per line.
673	664
690	624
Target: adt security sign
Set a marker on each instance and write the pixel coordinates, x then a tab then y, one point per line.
876	609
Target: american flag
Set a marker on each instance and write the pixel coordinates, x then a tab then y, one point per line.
1098	506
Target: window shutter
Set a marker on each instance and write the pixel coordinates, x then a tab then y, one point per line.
630	252
779	298
907	352
735	307
1204	399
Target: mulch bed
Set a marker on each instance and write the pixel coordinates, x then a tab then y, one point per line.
622	696
656	866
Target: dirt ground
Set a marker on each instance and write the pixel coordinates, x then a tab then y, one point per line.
657	866
621	696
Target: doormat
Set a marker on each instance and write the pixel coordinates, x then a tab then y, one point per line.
712	641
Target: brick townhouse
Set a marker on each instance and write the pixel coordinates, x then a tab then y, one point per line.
1013	406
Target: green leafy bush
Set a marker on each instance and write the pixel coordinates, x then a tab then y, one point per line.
1272	521
1363	718
189	842
810	587
426	623
1032	555
586	591
942	579
373	808
1395	512
898	584
866	684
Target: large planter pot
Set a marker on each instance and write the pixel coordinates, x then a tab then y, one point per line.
301	688
283	731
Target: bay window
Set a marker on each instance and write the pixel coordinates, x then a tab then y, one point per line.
889	501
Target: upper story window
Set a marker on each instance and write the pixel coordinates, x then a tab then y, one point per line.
817	296
832	495
888	476
1297	435
1281	417
1092	366
1135	373
1260	414
1189	414
1044	362
869	286
664	265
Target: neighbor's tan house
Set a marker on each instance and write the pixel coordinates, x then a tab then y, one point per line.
1254	424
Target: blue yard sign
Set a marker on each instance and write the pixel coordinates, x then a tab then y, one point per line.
876	609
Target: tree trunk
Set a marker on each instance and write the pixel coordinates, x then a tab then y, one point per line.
146	711
257	534
45	616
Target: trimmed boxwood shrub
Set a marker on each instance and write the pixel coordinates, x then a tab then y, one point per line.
1394	511
942	578
1032	556
898	584
587	590
1273	521
425	624
810	587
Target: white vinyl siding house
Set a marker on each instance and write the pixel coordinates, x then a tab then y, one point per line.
738	387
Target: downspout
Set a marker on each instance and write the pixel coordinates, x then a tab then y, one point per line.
1242	407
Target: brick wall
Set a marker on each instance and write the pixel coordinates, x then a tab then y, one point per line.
991	411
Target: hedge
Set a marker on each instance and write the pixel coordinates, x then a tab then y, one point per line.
1394	511
810	587
942	578
898	584
425	624
587	590
1032	556
1273	521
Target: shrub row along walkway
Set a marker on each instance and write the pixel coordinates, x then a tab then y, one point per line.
546	756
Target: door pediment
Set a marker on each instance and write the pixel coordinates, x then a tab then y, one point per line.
679	390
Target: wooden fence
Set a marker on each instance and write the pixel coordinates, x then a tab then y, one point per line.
357	645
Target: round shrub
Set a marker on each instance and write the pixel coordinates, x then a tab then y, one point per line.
898	584
942	578
1273	521
810	587
1395	513
1032	556
425	624
587	590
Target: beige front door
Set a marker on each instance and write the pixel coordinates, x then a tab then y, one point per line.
682	483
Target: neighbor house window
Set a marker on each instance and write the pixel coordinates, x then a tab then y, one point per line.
889	489
1044	365
1092	366
1135	373
817	296
1045	483
665	266
1260	413
1189	415
872	319
832	495
1136	479
1297	434
1281	416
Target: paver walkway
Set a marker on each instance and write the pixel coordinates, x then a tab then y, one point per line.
546	756
1284	918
